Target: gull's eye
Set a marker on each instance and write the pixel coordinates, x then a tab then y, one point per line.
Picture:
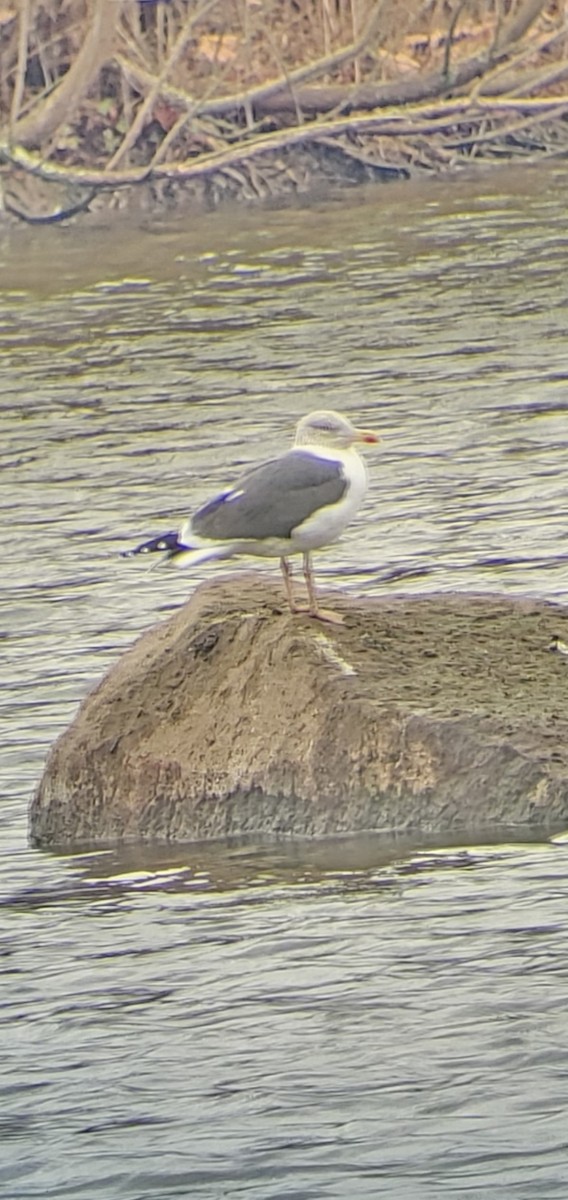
324	427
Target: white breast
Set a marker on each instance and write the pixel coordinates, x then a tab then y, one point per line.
327	524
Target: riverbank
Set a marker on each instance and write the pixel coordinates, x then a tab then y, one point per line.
156	107
433	713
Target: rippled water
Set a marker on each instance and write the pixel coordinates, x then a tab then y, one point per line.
298	1022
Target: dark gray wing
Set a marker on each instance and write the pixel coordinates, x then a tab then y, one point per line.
272	500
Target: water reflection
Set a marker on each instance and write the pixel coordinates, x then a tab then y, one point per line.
342	863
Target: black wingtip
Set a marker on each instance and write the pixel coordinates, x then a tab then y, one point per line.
167	543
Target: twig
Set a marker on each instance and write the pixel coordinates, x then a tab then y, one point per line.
373	165
285	75
253	96
38	125
274	94
521	20
503	131
494	49
540	79
450	39
423	119
20	82
170	137
533	47
62	214
147	104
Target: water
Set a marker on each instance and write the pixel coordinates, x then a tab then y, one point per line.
278	1022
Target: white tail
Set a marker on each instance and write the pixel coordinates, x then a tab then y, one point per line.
192	558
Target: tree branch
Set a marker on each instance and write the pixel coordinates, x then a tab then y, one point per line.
223	105
146	107
521	19
418	121
42	122
23	36
284	96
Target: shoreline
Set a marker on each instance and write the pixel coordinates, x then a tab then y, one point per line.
312	175
198	108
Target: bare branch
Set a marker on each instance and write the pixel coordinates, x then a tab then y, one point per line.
23	37
146	107
42	122
504	131
487	85
254	96
521	20
450	39
55	218
423	119
416	110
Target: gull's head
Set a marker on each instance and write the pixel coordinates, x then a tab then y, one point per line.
327	428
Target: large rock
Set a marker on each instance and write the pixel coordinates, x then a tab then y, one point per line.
435	713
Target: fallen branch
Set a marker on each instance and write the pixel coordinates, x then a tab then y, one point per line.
504	131
419	121
396	125
62	214
34	164
283	96
372	166
255	97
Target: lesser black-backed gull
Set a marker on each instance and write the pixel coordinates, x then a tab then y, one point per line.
293	504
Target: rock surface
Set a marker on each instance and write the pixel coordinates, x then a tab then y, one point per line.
435	713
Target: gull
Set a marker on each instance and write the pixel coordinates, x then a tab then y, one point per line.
293	504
